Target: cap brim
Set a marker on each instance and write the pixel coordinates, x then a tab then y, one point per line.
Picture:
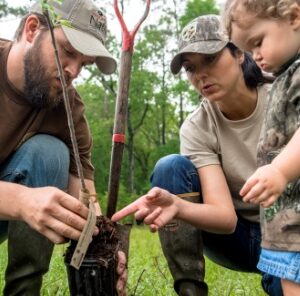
203	47
91	46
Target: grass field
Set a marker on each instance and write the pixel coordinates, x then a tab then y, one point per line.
148	272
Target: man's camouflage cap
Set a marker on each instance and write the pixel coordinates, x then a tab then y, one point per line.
202	35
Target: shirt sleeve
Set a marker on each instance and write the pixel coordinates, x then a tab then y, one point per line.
198	138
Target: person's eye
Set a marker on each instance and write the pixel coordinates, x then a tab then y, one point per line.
209	59
257	43
68	51
189	69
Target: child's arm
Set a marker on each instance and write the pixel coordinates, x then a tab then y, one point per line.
268	182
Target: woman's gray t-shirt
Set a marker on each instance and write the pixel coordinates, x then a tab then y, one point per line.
209	138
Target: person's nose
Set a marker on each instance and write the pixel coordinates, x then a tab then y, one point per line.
72	70
201	73
256	55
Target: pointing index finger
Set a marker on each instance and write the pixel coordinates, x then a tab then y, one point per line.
128	210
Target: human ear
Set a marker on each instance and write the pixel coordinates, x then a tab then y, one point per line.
294	16
31	28
240	56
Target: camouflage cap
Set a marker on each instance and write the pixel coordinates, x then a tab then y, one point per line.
202	35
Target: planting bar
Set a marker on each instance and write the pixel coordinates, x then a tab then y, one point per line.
121	107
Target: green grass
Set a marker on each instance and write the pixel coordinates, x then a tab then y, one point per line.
148	272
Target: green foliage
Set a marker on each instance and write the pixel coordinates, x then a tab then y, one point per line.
98	104
6	10
54	17
195	8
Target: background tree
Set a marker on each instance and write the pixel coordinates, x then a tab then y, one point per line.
196	8
6	10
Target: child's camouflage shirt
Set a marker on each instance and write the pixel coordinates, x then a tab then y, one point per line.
281	222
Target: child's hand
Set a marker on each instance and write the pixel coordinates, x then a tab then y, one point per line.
264	186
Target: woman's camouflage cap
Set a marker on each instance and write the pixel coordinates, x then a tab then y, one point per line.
202	35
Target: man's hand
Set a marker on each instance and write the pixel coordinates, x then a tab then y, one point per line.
264	186
54	213
122	274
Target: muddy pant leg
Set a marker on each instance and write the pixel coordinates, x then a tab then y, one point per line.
181	242
41	161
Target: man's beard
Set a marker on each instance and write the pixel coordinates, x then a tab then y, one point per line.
37	82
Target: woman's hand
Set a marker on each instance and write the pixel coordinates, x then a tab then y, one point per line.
156	208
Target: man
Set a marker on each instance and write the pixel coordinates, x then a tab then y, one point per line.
36	158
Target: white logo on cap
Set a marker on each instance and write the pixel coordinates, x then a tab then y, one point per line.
98	21
189	32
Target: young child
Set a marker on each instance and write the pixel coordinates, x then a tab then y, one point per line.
270	30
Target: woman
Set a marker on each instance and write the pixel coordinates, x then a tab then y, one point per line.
218	151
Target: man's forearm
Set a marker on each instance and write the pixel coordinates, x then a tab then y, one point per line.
11	199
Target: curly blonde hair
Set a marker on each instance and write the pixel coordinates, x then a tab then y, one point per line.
276	9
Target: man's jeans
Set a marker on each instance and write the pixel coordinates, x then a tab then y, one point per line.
238	251
41	161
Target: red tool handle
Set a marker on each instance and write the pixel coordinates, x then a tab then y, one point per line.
128	37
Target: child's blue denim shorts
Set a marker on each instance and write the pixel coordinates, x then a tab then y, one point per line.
282	264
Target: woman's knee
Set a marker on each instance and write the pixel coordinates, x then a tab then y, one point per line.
173	164
176	174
